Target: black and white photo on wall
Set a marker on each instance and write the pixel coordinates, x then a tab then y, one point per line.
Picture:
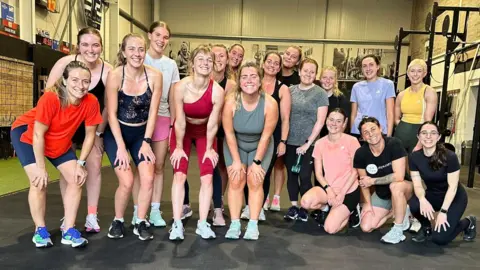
348	62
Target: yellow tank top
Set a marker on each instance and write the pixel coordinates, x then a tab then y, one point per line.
413	106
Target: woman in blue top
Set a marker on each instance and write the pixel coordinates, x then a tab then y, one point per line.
374	97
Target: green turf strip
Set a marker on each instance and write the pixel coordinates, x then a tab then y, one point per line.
13	177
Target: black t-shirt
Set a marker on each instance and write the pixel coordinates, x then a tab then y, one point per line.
436	181
293	79
382	165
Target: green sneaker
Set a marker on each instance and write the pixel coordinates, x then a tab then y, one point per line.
234	231
156	218
41	238
252	231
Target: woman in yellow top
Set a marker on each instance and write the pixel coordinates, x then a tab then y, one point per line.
414	106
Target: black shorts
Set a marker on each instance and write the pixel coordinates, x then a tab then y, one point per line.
352	199
133	138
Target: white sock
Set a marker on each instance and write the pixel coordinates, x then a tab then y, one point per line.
276	196
155	206
135	208
119	219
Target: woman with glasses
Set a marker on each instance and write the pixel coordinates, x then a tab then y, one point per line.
440	171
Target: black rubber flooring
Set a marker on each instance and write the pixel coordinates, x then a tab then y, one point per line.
282	245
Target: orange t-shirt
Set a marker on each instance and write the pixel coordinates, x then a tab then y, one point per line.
62	122
337	160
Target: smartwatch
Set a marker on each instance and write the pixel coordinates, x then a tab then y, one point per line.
284	141
256	161
99	134
81	162
148	140
443	211
325	187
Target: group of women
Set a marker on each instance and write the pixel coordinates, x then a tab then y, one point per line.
247	123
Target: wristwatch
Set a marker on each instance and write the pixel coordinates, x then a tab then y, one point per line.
443	211
325	187
81	162
256	161
99	134
148	140
284	141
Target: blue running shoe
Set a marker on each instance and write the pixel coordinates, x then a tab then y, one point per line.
74	238
41	238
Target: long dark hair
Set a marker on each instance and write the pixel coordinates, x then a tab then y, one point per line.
439	157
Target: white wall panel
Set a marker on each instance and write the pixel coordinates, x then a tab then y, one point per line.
209	17
367	19
285	18
125	5
123	28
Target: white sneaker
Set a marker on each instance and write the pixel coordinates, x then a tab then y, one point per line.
262	217
415	225
204	230
91	223
267	202
245	213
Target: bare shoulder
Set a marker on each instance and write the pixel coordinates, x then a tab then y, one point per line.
217	89
430	91
107	67
401	94
270	102
64	61
152	72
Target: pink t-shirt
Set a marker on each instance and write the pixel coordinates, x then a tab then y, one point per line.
337	160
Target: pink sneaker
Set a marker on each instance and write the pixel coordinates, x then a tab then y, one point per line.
275	206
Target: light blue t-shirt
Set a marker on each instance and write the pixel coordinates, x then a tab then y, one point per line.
371	101
169	69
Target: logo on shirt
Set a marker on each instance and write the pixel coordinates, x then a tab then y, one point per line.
372	168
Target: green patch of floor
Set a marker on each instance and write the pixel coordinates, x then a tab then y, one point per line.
13	177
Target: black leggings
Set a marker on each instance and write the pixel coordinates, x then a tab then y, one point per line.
455	212
305	175
268	173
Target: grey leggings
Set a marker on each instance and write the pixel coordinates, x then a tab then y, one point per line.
247	151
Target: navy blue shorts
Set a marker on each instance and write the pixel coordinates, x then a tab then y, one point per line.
133	139
25	153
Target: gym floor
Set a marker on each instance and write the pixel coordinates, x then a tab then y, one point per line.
282	245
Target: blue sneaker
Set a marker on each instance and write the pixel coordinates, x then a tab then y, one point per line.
74	238
41	238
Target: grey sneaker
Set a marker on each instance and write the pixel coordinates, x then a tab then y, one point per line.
394	236
218	219
234	231
245	213
176	232
204	230
187	211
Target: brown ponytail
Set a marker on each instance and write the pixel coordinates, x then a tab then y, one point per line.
439	157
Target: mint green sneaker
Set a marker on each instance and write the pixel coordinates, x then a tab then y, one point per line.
204	230
41	238
234	231
156	218
252	231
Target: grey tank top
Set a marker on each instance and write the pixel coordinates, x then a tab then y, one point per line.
248	125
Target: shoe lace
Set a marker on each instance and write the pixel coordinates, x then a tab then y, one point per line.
74	233
43	232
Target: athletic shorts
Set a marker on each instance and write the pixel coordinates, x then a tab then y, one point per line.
24	151
162	128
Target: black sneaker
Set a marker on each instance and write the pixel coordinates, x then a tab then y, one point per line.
292	213
423	234
354	219
314	214
471	231
116	230
141	230
302	214
321	217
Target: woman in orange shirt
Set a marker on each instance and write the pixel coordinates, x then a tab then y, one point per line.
47	131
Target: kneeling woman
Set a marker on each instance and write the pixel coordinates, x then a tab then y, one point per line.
333	155
133	96
47	131
249	119
440	170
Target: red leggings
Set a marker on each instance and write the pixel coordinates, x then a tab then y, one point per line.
197	133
